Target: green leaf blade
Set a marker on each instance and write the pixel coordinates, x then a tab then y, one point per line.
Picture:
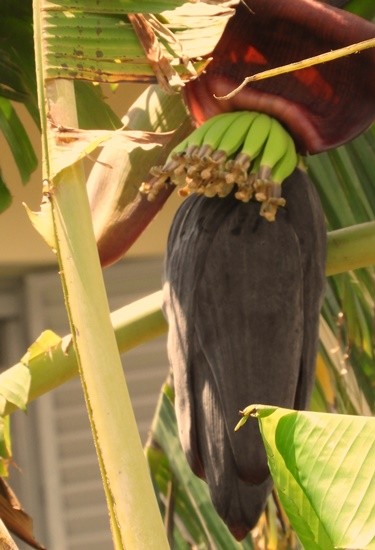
99	43
5	195
324	468
363	8
17	139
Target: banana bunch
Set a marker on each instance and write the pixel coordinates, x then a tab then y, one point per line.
245	151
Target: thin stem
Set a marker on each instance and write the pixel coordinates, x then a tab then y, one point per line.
303	64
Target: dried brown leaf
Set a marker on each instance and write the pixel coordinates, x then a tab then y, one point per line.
15	518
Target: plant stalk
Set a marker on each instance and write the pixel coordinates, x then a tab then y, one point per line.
351	248
127	483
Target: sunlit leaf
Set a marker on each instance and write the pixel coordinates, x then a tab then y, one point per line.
14	387
42	221
42	345
70	145
324	468
98	42
5	445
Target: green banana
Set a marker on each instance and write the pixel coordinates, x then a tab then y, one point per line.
255	140
286	165
205	162
268	184
235	133
217	174
275	148
177	163
189	165
191	144
216	132
204	173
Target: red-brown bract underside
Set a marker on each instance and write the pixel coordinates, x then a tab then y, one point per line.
322	106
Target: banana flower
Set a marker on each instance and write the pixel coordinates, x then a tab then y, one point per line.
231	341
322	106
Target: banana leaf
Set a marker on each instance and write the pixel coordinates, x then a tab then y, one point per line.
323	466
161	40
346	184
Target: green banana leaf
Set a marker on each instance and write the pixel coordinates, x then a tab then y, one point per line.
18	85
98	42
364	8
324	468
17	64
5	195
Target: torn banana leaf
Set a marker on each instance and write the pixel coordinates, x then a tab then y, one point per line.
100	43
15	518
69	145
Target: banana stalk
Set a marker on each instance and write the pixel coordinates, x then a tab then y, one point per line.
121	459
